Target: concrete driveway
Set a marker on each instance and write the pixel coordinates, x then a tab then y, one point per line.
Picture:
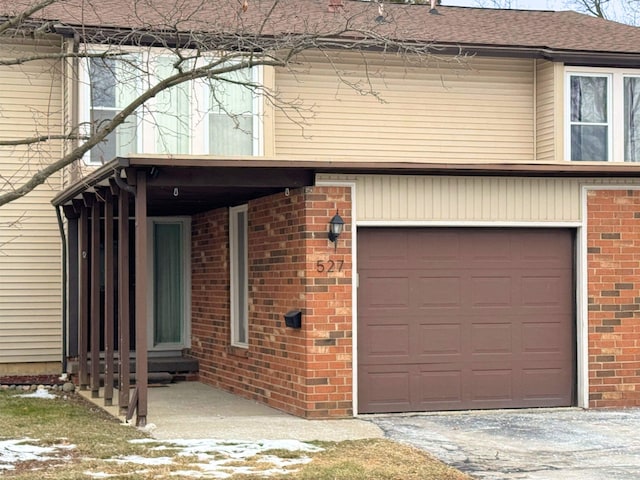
562	444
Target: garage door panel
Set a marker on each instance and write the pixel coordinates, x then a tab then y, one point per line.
491	338
487	250
543	248
385	388
544	385
433	253
386	344
437	291
380	256
485	319
492	291
386	292
544	337
491	385
437	340
545	291
437	390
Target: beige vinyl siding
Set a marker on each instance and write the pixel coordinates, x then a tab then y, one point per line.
399	198
549	95
478	109
30	302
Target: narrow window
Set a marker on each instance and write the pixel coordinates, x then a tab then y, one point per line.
231	115
589	126
172	112
113	86
238	225
632	119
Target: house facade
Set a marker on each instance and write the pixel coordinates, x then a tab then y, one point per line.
490	203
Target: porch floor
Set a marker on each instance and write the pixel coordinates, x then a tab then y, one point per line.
194	410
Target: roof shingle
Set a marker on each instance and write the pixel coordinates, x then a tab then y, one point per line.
464	26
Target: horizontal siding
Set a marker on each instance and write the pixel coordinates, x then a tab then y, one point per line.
480	111
546	107
413	198
30	290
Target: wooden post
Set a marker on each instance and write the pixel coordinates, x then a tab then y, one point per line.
83	317
141	297
95	299
124	376
109	298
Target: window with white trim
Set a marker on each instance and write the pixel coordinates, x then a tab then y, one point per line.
239	275
196	117
603	115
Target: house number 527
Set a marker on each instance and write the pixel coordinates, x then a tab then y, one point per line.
329	265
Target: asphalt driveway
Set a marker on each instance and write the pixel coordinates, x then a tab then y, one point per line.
562	444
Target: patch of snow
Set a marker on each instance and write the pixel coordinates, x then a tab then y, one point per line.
214	456
138	460
39	393
23	450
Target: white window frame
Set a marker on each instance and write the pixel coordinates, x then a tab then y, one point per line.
238	313
615	107
84	102
146	134
186	272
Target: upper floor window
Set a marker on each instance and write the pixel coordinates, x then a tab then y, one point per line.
603	114
195	117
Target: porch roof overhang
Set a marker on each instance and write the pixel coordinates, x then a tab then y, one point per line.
183	185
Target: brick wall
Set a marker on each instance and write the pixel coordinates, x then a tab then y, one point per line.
306	372
209	290
613	255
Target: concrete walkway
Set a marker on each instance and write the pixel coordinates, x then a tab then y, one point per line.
564	444
192	410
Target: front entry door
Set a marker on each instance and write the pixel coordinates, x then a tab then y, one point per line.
170	281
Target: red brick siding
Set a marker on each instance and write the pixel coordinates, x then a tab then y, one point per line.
613	256
306	372
210	328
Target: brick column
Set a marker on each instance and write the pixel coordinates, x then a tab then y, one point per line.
328	292
613	256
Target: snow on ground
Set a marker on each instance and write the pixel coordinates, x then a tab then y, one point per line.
215	459
219	459
39	393
24	450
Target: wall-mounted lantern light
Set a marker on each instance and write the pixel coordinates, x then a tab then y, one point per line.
336	224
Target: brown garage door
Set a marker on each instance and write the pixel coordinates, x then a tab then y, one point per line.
464	318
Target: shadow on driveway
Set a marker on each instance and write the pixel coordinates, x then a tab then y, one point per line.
562	444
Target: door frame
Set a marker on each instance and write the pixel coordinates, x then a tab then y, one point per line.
186	271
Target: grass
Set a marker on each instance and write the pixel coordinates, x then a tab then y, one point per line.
100	440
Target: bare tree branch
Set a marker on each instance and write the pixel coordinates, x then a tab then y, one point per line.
15	21
191	51
40	139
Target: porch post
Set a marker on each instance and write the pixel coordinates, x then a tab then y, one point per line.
141	298
83	317
124	377
109	298
95	299
72	213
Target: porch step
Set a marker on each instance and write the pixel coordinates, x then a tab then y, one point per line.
176	366
155	378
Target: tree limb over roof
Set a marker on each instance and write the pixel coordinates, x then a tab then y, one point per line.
550	34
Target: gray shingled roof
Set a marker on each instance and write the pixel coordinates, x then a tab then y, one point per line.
525	29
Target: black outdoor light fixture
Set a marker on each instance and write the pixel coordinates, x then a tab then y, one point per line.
336	224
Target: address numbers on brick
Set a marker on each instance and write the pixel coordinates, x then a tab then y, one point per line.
329	265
